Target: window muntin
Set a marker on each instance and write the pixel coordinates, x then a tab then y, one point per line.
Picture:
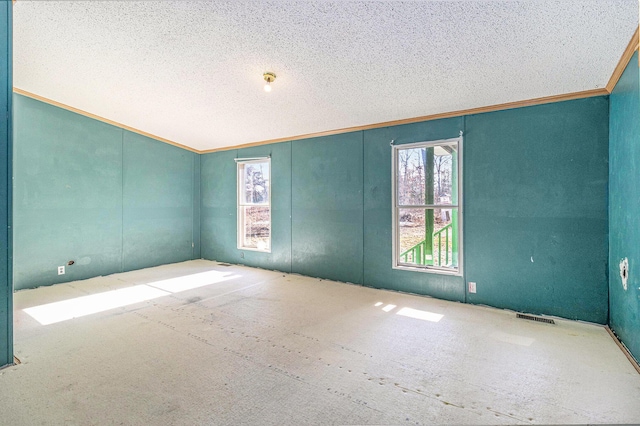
426	211
254	204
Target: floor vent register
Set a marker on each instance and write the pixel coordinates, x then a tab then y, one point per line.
534	318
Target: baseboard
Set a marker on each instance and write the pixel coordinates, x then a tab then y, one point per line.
623	348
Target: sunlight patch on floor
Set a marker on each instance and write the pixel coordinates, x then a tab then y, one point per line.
86	305
189	282
64	310
418	314
411	313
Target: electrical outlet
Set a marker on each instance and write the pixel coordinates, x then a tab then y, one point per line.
472	287
60	270
241	255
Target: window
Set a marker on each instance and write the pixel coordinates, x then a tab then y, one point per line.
254	204
426	211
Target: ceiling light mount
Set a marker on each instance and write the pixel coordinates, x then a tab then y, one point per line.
269	77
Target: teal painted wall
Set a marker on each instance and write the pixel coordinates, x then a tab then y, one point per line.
624	206
68	195
535	221
308	229
535	186
534	208
158	208
219	210
108	199
316	196
327	207
6	282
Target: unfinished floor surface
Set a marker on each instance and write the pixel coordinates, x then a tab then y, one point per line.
201	343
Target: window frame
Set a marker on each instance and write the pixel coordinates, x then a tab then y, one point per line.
240	205
395	207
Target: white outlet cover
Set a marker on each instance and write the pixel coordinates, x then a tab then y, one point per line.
472	287
60	270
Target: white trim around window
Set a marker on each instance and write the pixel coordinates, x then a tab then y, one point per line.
414	213
254	204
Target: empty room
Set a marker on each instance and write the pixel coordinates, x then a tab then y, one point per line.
319	212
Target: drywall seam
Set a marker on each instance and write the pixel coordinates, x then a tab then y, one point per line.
291	208
363	207
122	203
193	188
198	165
465	297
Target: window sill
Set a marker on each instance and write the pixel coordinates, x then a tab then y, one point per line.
457	273
254	249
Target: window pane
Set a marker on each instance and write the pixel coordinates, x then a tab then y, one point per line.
445	238
257	227
256	183
412	235
444	158
428	237
428	175
411	180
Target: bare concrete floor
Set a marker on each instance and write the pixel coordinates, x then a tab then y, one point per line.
198	343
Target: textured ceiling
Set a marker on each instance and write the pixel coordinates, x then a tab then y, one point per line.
191	72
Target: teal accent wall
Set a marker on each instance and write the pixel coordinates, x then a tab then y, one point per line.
6	282
158	208
535	221
219	207
68	195
534	204
624	206
535	208
218	211
327	207
106	198
321	228
316	197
